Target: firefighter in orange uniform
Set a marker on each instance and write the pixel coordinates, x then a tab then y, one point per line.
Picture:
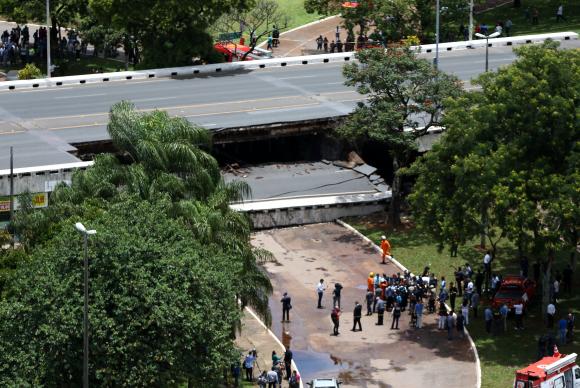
371	282
386	248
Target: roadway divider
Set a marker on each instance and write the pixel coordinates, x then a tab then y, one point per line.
192	71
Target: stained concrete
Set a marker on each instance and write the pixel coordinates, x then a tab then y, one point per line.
375	357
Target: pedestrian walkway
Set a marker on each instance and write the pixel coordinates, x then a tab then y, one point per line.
374	357
254	335
302	40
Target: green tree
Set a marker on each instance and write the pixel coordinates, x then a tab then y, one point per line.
405	97
169	32
160	312
508	162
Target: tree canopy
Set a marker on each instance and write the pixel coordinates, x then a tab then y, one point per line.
508	164
168	266
405	98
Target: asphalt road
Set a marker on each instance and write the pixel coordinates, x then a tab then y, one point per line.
46	120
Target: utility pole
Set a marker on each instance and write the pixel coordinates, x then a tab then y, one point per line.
470	19
12	191
437	36
48	39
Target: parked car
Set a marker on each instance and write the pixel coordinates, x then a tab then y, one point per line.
512	290
325	383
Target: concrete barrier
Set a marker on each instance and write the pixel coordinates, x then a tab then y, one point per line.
189	71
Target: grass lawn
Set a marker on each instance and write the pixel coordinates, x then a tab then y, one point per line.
296	13
546	20
500	355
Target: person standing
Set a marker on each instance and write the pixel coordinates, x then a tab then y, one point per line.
270	40
385	248
272	377
508	26
337	33
556	290
571	319
332	47
442	316
450	325
286	306
452	295
562	327
336	294
488	316
319	42
560	13
335	317
249	366
320	290
380	311
460	325
465	312
487	269
288	362
325	44
550	313
504	310
519	313
475	303
396	315
357	313
370	297
419	313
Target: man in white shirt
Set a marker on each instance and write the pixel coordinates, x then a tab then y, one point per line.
550	313
519	312
320	290
556	290
487	269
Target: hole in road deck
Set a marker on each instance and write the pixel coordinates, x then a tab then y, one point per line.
312	364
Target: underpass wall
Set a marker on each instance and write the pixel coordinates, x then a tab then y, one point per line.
267	219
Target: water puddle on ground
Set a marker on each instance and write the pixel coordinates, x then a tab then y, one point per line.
314	364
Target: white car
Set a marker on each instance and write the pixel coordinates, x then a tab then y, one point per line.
325	383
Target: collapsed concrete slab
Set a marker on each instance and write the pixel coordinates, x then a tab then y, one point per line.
305	193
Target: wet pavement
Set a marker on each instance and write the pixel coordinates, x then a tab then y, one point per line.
375	357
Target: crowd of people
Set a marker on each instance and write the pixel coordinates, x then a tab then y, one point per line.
16	46
281	369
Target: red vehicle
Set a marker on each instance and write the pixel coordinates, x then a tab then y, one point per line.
557	371
512	290
234	52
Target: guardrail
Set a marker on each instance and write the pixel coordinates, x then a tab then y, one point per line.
188	71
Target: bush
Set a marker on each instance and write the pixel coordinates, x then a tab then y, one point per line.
30	71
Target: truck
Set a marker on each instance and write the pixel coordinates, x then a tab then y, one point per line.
556	371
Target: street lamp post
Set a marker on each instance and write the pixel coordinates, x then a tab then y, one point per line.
437	35
486	37
47	38
86	233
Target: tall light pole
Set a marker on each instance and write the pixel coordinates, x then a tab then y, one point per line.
47	38
86	233
486	37
470	19
437	35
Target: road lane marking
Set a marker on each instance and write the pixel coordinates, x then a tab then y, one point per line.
193	105
81	96
12	132
298	77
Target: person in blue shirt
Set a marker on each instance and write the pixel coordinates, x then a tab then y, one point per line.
488	314
504	310
562	326
419	313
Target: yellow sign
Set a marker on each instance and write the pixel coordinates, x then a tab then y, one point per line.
39	200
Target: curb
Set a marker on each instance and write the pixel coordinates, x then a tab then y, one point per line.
253	314
403	268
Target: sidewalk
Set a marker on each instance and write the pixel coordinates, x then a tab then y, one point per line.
302	40
255	335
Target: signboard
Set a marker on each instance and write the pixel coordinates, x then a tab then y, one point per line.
39	200
230	36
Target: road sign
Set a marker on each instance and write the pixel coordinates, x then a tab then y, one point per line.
230	36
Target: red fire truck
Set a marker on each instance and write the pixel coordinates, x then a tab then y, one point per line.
557	371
